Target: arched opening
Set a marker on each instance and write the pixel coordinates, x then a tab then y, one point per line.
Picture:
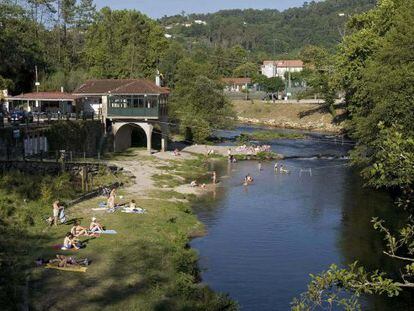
156	137
138	137
129	135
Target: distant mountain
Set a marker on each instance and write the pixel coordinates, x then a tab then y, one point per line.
268	31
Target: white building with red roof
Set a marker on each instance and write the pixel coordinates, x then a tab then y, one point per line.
47	102
278	68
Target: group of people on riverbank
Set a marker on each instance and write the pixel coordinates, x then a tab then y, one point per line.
253	149
71	239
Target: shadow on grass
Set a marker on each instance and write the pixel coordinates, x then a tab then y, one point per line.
73	221
323	109
133	270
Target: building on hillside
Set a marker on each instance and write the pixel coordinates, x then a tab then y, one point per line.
125	105
278	68
200	22
43	102
236	84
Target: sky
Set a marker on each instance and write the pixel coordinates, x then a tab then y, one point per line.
159	8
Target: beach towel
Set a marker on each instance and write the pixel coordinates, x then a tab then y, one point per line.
60	247
62	216
70	268
99	209
102	204
135	211
109	232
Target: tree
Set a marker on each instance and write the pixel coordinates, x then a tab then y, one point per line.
198	102
85	14
123	44
247	69
319	74
375	68
19	51
270	85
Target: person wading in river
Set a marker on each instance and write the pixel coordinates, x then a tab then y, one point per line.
214	177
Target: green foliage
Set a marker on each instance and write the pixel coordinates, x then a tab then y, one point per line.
69	80
76	136
268	32
341	288
19	53
374	66
319	74
270	85
248	69
123	44
199	102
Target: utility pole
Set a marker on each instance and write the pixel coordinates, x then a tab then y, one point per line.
37	80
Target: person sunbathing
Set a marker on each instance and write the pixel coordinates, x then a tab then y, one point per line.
176	152
95	226
193	184
65	261
70	241
78	230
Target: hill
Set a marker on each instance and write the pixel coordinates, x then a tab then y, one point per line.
268	31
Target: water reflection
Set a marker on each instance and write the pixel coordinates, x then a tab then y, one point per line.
263	240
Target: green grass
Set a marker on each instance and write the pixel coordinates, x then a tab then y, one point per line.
183	172
146	266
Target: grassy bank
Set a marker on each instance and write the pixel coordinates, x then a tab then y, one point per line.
289	115
146	266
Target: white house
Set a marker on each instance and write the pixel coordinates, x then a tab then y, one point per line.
278	68
200	22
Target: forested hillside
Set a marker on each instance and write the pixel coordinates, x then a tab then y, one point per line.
269	31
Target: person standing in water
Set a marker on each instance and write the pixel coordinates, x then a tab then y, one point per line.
214	177
260	165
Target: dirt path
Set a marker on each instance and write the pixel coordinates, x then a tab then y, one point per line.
143	166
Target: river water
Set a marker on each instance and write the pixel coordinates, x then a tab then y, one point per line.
264	240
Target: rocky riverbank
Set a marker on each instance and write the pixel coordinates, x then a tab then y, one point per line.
288	124
303	116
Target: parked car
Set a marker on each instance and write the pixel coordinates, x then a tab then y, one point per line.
18	116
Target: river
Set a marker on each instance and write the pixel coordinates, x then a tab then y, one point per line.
264	240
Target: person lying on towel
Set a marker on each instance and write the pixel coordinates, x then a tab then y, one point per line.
65	261
95	226
78	230
71	241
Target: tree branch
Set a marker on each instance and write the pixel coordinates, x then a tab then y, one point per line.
398	257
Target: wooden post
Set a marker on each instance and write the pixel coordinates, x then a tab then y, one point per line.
84	177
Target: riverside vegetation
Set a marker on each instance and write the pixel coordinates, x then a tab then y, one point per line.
146	266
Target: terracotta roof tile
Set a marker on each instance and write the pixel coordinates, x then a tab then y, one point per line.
236	80
120	86
44	96
284	63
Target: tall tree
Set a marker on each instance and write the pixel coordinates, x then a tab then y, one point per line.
198	102
123	44
376	68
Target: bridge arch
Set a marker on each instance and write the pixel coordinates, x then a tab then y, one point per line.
123	134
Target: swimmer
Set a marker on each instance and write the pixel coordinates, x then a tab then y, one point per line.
283	170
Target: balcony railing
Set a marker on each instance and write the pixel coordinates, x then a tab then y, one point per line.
133	112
